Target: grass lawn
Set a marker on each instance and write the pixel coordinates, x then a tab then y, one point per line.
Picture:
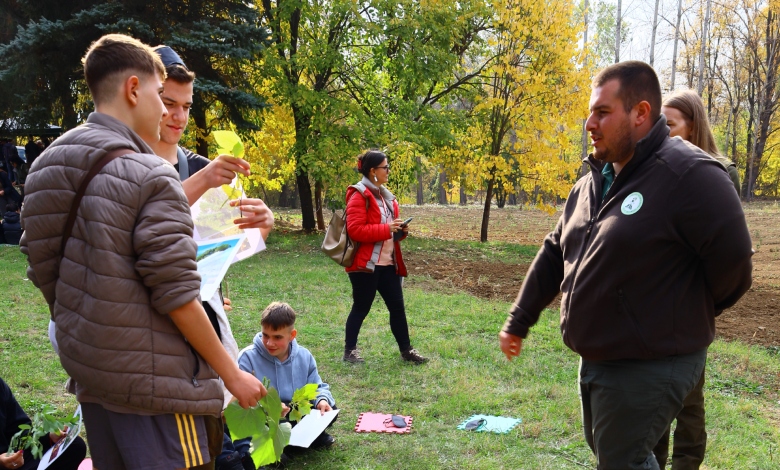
467	373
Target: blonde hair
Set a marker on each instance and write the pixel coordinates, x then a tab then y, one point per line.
691	107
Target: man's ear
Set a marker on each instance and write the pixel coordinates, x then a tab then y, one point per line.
642	109
130	89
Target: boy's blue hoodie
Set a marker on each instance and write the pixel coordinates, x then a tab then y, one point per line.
297	370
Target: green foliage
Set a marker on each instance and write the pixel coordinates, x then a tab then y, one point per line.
42	64
43	423
301	401
603	48
261	424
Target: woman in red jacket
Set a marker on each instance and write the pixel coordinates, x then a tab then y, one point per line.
372	221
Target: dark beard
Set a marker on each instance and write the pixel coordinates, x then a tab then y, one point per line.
621	148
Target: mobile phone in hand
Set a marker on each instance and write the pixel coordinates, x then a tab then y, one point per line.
406	222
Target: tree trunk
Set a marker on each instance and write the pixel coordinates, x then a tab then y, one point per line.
747	190
768	100
652	38
463	200
618	24
585	42
284	195
307	210
483	234
676	40
700	86
198	114
500	196
318	204
420	200
443	188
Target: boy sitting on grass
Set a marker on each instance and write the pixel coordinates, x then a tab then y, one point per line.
275	354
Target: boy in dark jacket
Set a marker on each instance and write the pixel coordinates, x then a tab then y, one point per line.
11	228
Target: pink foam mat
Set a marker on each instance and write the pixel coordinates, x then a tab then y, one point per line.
375	422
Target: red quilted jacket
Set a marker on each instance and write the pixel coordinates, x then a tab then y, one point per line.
364	227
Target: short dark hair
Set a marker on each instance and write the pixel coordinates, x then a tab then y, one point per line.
278	315
179	74
370	159
113	54
11	207
638	82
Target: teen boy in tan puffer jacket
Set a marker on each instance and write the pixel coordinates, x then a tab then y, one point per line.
131	330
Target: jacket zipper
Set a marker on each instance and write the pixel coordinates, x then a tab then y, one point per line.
196	370
595	211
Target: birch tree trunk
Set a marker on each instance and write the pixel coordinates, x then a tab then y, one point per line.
618	23
676	40
700	86
655	29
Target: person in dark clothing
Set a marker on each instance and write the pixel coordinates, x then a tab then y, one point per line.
652	245
11	416
11	226
7	191
20	173
31	151
9	150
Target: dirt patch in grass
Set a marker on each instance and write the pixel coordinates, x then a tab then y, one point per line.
754	319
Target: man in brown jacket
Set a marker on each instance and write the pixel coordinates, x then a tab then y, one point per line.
651	246
131	330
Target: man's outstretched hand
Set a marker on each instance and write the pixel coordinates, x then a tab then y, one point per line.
511	345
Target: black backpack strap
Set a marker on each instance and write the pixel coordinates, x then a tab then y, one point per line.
74	208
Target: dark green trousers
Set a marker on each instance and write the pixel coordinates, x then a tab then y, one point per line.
690	436
628	404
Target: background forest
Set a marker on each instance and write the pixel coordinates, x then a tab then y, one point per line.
476	101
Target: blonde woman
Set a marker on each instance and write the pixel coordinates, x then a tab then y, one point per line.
685	116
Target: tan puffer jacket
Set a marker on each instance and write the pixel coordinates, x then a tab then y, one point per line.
129	262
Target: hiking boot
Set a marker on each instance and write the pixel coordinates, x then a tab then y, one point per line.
351	355
413	356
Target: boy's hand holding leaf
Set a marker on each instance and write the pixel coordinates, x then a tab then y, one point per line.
301	401
229	143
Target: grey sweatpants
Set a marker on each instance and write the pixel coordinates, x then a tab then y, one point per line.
628	404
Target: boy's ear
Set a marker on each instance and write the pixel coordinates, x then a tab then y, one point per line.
293	334
130	89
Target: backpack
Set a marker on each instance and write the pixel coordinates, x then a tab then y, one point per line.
337	244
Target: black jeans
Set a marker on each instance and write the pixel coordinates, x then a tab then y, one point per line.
387	282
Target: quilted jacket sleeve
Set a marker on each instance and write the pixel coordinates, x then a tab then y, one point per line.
362	224
163	242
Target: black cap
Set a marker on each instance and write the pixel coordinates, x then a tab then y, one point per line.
169	56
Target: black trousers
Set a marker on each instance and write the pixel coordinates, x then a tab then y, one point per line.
628	404
387	282
690	435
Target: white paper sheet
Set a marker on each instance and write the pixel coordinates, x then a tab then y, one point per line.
213	218
57	449
214	258
311	426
